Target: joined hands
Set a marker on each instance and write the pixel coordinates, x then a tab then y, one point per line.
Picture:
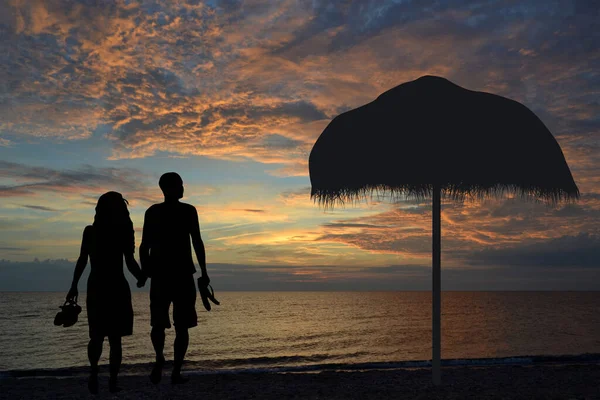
204	280
142	281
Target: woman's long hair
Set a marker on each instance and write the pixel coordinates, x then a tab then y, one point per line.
112	224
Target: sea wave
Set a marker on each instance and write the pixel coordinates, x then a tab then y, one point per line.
300	364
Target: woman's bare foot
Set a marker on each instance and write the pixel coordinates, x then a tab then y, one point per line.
178	379
112	385
93	383
156	374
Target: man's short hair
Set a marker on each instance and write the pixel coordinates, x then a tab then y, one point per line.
170	182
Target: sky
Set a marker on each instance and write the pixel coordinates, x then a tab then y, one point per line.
99	95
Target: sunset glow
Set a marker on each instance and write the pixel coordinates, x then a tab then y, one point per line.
108	95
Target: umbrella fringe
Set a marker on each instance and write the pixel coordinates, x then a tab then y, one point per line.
328	198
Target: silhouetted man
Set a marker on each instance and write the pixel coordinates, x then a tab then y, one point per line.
166	257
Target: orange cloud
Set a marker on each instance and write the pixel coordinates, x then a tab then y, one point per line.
182	78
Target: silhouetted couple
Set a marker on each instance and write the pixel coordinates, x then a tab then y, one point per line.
166	258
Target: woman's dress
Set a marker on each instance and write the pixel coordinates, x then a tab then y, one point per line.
108	302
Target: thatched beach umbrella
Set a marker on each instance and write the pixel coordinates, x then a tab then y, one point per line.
430	138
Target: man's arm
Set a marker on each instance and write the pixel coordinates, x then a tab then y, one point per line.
146	245
198	244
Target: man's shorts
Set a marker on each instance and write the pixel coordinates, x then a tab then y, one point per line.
182	293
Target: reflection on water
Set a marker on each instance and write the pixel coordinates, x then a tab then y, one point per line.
299	328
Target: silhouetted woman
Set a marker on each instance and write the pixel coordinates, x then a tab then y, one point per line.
108	303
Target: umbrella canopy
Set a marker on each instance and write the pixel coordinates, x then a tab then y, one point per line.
431	132
429	138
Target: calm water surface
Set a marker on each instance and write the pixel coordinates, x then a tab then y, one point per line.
273	329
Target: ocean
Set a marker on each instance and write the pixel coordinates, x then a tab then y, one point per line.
310	331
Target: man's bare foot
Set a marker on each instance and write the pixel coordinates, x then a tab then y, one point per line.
156	374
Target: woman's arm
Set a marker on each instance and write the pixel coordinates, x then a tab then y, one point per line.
81	263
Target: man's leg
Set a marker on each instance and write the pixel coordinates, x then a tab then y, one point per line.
158	341
182	340
159	319
184	317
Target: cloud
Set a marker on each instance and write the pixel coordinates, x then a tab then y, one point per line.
277	142
261	81
88	181
581	251
341	225
41	208
497	232
56	275
296	197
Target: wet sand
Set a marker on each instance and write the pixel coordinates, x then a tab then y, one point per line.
549	381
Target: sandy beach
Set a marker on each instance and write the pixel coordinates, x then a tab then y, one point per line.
550	381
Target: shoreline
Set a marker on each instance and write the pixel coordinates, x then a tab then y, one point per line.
240	366
550	380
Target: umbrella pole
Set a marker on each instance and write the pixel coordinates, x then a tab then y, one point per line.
436	336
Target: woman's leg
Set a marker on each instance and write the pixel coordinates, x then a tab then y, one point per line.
94	353
116	355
